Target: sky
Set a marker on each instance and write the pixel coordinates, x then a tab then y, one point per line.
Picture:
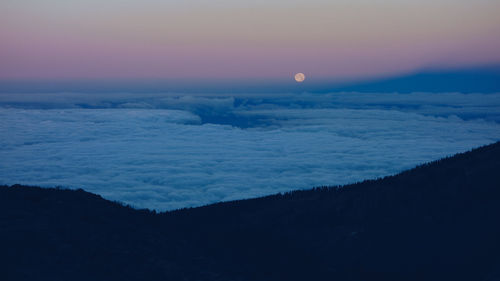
249	40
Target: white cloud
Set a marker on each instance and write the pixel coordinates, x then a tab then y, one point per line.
158	151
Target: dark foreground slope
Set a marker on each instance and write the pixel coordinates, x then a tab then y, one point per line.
440	221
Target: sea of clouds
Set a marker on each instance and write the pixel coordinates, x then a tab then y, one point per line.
168	151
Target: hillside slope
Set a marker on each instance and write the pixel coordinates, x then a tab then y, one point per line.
439	221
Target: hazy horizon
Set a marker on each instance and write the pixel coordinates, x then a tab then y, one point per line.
477	79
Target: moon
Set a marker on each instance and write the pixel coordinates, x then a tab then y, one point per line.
300	77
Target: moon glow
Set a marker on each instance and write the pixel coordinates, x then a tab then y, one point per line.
300	77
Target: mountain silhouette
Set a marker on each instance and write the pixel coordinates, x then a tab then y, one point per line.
438	221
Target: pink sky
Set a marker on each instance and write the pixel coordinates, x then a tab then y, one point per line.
56	39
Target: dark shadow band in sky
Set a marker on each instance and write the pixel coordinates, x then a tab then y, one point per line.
485	79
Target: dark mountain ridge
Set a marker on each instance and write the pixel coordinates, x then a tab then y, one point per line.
438	221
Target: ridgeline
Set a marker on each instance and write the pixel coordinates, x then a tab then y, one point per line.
438	221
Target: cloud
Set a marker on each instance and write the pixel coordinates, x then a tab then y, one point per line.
226	108
158	151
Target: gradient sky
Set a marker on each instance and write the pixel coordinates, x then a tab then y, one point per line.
223	39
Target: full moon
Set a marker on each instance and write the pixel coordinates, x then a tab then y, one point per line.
300	77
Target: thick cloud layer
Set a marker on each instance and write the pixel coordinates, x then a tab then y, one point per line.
172	151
